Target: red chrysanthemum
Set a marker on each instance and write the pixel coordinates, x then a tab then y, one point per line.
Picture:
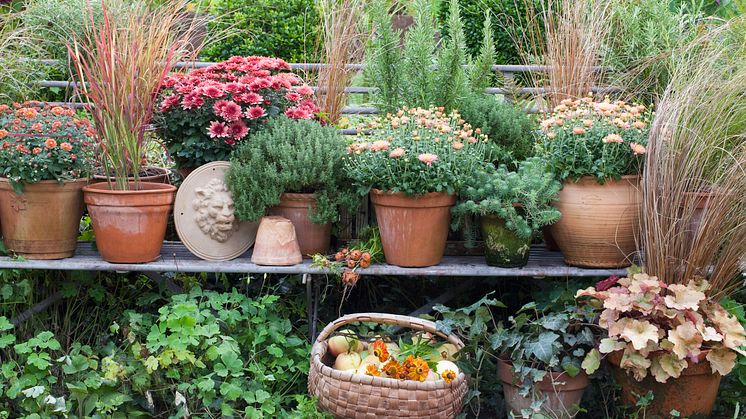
256	112
212	91
293	96
228	110
218	130
238	130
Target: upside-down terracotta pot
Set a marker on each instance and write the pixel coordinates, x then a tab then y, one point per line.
276	243
693	394
312	238
599	223
43	221
563	393
129	225
414	229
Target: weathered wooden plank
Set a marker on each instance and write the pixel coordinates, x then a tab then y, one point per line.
176	258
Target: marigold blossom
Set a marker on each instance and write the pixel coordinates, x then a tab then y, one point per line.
50	143
638	149
427	158
397	152
613	138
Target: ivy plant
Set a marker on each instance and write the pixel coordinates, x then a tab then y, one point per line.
297	156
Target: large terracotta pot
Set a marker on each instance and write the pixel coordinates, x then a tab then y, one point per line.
692	394
414	229
312	238
599	223
43	222
502	246
150	174
129	225
563	392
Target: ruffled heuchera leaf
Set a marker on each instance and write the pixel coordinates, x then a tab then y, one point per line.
722	361
728	325
639	332
643	283
618	299
609	345
635	363
667	366
686	339
684	298
709	333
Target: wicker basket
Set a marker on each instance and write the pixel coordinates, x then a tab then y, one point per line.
348	395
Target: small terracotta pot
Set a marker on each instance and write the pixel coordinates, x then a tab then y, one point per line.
562	391
414	229
692	394
42	222
276	243
312	238
599	223
129	225
502	246
156	175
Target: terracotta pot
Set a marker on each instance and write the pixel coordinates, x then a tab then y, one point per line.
312	238
502	246
276	243
693	209
129	225
413	229
151	175
43	222
563	392
599	223
692	394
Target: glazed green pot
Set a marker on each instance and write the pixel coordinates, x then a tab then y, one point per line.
502	246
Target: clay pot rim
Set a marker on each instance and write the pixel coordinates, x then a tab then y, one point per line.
588	179
400	199
146	188
297	196
566	383
5	181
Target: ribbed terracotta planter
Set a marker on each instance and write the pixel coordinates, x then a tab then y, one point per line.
414	230
502	246
129	225
312	238
693	394
599	223
562	391
43	222
154	175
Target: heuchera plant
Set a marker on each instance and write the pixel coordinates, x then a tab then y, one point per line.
43	143
416	151
662	328
203	114
604	139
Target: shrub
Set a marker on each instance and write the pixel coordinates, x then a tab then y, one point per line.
43	143
291	156
287	29
507	126
204	114
600	139
416	151
496	191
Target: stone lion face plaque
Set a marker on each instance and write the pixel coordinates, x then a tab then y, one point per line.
205	219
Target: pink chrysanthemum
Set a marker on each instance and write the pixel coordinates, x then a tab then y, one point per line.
427	158
212	91
305	90
228	110
293	96
218	130
238	130
256	112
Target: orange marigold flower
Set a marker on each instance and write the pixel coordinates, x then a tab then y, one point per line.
578	130
372	370
380	350
66	146
398	152
613	138
57	110
36	150
4	108
448	376
638	149
457	145
3	133
50	143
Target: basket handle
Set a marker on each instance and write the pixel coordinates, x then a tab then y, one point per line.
383	318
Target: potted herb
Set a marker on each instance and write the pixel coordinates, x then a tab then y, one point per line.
207	113
511	207
546	356
669	339
120	66
596	149
413	163
45	161
293	168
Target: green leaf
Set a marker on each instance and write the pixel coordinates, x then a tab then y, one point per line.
543	348
5	324
6	340
592	361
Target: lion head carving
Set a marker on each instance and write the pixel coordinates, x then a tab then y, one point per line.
214	211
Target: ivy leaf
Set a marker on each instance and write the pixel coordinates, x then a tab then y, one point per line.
592	361
543	348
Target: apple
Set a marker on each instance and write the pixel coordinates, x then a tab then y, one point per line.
372	359
343	343
347	361
442	366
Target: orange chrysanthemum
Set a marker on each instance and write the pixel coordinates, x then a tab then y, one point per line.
448	376
416	368
380	350
392	368
372	370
